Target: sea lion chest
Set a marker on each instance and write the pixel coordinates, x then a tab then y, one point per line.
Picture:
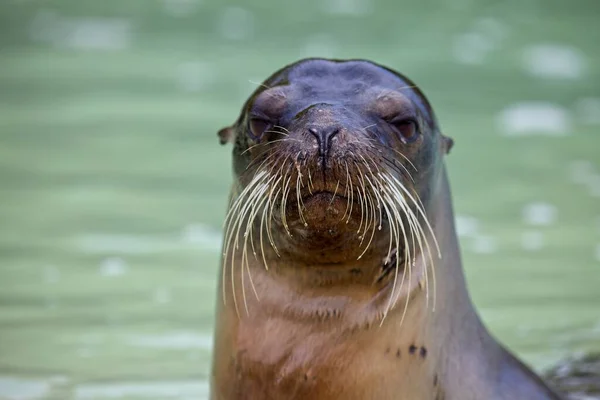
278	359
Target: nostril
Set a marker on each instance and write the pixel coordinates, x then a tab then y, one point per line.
324	136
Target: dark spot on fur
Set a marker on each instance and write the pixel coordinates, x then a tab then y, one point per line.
387	351
355	271
423	352
412	349
398	353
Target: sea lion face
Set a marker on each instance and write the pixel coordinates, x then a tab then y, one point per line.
340	155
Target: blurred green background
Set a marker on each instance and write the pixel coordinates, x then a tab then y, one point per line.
113	186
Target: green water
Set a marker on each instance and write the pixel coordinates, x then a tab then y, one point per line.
113	186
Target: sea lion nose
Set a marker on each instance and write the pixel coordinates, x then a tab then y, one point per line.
324	136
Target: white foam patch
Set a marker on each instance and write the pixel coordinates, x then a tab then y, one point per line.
181	8
347	7
588	110
466	226
581	171
181	390
203	236
81	33
534	118
113	267
321	45
532	240
554	61
484	244
13	388
193	76
175	341
471	48
236	23
539	214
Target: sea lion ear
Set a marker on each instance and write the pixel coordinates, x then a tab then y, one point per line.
448	143
226	135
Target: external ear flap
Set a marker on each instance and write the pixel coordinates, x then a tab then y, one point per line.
448	143
226	135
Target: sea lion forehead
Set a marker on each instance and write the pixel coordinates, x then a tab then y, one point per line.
315	80
354	73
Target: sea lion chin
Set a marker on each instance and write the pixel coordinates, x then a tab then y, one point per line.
341	275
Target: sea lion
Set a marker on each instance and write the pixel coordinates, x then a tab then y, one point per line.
341	275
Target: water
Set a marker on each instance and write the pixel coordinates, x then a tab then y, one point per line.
113	186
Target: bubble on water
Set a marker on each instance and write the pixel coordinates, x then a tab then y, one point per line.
113	266
554	61
539	214
236	23
484	244
534	118
532	240
203	236
466	226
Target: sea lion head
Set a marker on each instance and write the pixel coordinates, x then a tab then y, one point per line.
335	160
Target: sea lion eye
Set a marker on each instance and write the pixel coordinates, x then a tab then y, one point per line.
258	127
407	128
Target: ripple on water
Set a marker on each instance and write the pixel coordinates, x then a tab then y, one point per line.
471	48
104	34
194	76
180	8
113	266
539	214
532	240
320	45
173	340
484	244
347	7
466	226
588	110
203	236
153	390
236	23
581	171
534	118
23	389
554	61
